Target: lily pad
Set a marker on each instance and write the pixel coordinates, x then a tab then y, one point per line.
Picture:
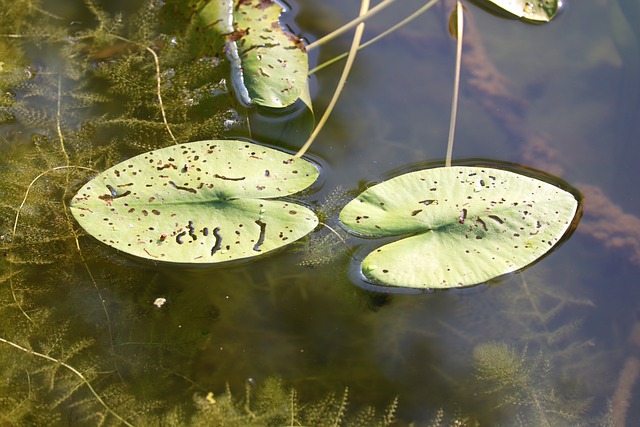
269	64
528	10
201	202
464	225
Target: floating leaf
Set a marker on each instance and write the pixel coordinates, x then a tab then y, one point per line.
466	225
201	202
269	64
529	10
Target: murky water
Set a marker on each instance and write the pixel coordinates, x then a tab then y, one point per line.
562	97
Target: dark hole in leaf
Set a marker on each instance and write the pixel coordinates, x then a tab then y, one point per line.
228	178
496	219
218	244
192	230
179	237
177	187
463	216
263	229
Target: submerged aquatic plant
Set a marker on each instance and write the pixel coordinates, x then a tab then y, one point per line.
114	89
329	244
272	404
521	382
97	98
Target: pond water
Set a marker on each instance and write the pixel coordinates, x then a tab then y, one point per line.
558	344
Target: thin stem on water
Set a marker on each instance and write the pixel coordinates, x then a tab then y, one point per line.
343	79
400	24
456	84
361	18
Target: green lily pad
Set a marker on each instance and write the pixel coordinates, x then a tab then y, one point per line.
466	225
269	64
528	10
201	202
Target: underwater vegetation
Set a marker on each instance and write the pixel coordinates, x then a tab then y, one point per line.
520	380
91	336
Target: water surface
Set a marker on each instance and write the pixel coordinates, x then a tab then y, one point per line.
562	97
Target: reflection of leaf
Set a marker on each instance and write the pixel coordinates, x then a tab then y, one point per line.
529	10
201	202
269	64
466	224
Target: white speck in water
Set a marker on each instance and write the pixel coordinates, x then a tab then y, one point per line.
159	302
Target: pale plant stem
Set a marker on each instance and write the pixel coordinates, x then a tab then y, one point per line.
331	229
343	406
158	82
70	222
532	301
456	84
292	404
159	86
400	24
363	17
66	211
343	79
66	166
59	120
95	285
538	405
47	13
75	372
21	36
389	416
15	227
26	194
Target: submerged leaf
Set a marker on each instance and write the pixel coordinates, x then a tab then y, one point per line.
529	10
201	202
269	64
466	225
